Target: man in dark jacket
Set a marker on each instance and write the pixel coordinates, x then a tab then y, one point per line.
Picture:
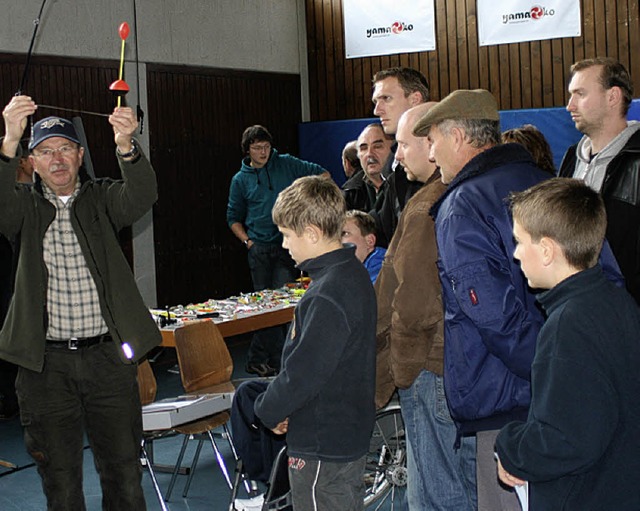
358	192
491	319
395	90
607	158
365	190
76	314
350	160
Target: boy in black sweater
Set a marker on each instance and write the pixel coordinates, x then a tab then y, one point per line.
324	395
580	446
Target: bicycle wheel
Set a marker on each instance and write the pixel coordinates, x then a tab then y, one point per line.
386	464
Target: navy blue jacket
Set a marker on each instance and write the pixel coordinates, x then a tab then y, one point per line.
327	383
580	446
491	318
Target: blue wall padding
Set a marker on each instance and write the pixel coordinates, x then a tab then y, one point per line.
322	142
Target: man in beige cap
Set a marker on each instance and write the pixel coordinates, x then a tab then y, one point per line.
410	340
491	320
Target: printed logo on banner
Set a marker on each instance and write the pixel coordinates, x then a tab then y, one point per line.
535	13
524	20
387	27
396	28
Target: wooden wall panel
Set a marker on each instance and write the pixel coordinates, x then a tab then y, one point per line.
526	75
196	119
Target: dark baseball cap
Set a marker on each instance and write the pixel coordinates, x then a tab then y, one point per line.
52	127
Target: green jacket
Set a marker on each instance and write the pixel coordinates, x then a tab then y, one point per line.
101	209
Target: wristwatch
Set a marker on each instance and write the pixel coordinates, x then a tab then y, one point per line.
246	242
130	154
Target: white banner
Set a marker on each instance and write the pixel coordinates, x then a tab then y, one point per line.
516	21
386	27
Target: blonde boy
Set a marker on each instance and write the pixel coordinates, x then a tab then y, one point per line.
581	440
324	395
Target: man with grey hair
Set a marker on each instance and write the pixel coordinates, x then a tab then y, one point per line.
77	324
607	157
491	319
350	161
365	190
355	189
411	342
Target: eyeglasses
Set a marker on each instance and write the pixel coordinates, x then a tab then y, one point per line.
47	154
260	148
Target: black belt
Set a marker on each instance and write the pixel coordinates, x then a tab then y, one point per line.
74	344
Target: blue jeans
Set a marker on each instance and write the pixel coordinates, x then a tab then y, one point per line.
439	477
271	268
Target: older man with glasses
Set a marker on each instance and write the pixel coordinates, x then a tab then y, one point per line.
77	324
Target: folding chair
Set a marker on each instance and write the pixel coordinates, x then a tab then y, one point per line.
148	388
205	363
278	494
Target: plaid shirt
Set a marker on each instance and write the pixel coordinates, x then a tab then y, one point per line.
73	306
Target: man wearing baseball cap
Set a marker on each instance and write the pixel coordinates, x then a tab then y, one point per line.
77	323
491	320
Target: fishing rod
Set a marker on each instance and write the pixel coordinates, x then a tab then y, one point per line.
36	24
119	87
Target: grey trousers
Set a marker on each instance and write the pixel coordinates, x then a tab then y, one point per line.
325	486
492	494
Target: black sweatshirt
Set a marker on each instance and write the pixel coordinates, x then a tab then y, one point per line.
327	383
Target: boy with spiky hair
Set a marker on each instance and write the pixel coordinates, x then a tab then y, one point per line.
581	440
324	395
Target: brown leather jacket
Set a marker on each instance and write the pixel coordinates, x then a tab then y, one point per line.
410	314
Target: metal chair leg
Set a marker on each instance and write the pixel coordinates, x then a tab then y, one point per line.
196	456
177	467
220	459
227	435
152	473
192	470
